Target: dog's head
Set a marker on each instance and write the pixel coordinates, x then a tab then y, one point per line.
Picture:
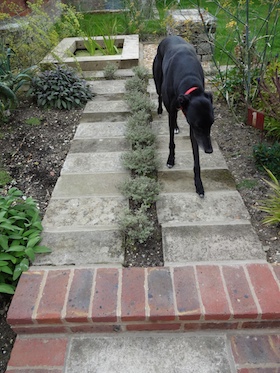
198	110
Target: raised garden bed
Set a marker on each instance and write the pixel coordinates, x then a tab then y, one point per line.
66	49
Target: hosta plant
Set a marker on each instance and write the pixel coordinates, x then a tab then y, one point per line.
60	88
20	236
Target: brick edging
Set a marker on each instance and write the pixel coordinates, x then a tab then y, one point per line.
190	297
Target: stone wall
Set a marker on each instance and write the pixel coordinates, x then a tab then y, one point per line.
197	28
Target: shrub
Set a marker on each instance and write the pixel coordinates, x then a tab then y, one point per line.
141	136
60	88
136	226
135	84
139	118
268	157
139	101
109	71
272	204
20	229
141	161
141	189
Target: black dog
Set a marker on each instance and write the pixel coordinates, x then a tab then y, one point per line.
179	81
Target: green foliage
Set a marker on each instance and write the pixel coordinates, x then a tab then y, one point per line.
141	161
5	178
272	204
272	127
136	226
10	81
143	189
110	71
267	156
20	229
60	88
39	32
247	184
141	136
33	121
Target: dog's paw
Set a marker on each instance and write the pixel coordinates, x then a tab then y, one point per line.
169	165
176	130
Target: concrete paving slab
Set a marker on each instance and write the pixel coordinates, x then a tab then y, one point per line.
114	89
82	247
86	212
96	111
99	145
209	242
184	160
85	185
182	143
99	74
177	181
100	130
221	206
153	353
86	163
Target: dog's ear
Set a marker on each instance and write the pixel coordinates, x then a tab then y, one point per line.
209	96
183	101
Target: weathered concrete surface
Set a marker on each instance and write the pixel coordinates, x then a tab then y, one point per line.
149	353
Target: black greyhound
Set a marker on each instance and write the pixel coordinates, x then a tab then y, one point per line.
179	81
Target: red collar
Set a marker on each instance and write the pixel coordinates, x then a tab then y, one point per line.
190	90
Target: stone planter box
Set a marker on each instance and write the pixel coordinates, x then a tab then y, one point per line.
129	56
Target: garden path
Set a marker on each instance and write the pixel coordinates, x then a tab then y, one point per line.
79	310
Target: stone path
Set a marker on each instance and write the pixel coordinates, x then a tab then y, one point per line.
215	285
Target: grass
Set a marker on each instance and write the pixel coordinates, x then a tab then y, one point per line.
224	35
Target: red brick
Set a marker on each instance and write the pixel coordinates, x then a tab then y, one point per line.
212	293
186	293
262	324
53	297
256	349
276	269
24	299
94	328
133	294
211	326
105	299
153	327
266	290
41	329
160	294
241	298
78	302
38	352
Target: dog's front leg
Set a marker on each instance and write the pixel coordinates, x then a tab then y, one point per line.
172	117
197	177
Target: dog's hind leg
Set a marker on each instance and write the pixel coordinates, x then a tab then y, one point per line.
197	177
172	117
157	73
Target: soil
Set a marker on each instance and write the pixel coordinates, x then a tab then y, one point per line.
34	154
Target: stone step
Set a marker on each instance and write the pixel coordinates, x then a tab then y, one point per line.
182	181
96	130
189	208
101	145
87	213
222	352
100	110
100	245
184	242
88	163
97	184
108	89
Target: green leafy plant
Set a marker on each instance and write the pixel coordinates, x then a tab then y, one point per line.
20	236
33	121
267	156
60	88
141	161
136	226
5	177
110	71
143	189
272	204
141	136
